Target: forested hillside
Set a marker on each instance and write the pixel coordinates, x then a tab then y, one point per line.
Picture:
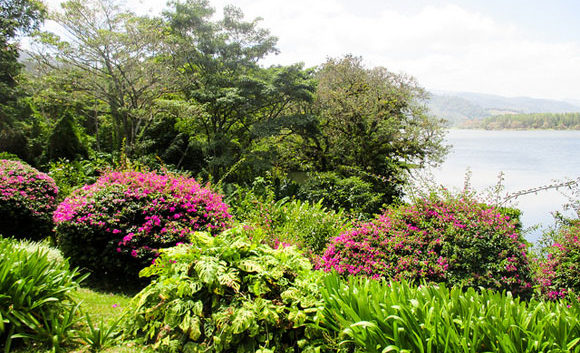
562	121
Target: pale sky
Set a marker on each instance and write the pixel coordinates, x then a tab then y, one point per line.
505	47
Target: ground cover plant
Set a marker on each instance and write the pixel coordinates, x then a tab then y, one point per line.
456	240
366	315
35	296
27	200
116	226
228	293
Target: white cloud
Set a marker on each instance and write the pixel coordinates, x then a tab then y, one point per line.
445	47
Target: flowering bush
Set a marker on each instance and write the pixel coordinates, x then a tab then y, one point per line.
27	200
116	225
559	273
454	240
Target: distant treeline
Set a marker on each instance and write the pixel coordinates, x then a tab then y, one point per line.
557	121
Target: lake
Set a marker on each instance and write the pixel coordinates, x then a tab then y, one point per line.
528	159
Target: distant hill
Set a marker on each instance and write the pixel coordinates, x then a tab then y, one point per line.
461	106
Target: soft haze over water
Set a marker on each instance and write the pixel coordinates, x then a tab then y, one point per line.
528	159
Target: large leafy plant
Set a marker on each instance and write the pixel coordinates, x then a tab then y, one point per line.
228	293
116	226
456	240
27	200
35	295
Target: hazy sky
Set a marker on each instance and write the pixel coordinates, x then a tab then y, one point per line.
505	47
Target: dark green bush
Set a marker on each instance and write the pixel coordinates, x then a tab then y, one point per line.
35	295
228	293
308	225
351	194
27	200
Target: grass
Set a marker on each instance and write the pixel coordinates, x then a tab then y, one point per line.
100	306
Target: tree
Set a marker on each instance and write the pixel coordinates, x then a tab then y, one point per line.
228	103
372	124
17	17
115	53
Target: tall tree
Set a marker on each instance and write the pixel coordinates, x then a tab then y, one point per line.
17	18
226	97
115	54
371	123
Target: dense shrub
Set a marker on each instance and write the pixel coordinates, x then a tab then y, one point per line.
349	193
455	240
71	175
115	226
559	272
35	294
364	315
27	201
308	225
228	293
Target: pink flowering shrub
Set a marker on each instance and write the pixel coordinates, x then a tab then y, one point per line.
115	226
27	200
559	273
455	240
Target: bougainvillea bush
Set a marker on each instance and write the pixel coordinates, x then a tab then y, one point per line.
456	240
27	201
559	272
115	226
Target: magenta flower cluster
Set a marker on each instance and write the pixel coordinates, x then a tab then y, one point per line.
27	200
559	273
132	214
454	240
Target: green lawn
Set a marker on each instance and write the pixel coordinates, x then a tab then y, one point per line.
100	306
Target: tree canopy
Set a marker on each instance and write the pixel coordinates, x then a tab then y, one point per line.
188	88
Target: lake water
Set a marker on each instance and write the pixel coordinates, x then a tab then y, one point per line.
528	159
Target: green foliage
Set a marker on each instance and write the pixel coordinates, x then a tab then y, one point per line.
444	238
64	140
228	293
100	336
342	193
365	315
309	225
71	175
35	296
371	124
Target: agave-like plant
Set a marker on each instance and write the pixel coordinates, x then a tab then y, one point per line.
380	316
35	301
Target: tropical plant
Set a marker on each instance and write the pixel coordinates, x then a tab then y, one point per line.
27	200
228	293
100	336
456	240
35	296
116	226
365	315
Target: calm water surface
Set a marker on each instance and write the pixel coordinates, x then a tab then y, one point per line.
527	158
